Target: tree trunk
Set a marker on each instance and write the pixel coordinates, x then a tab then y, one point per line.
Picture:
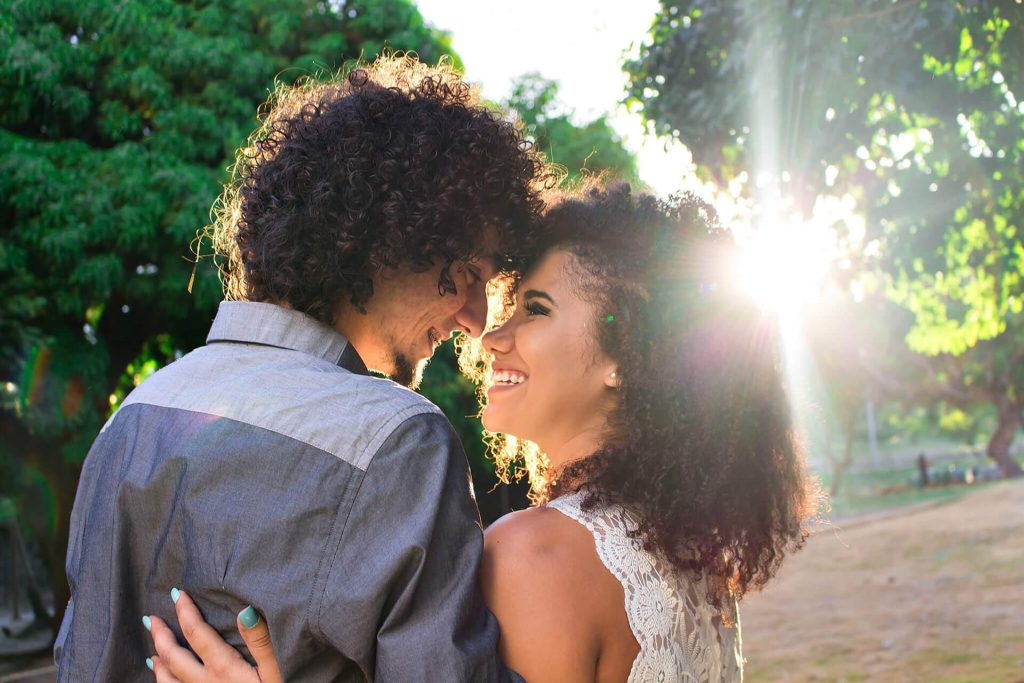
46	456
65	481
839	467
999	444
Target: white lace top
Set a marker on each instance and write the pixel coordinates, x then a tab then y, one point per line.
682	636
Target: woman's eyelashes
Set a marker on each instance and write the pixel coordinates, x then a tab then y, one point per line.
533	308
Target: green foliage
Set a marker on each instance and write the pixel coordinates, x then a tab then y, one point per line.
119	122
912	104
590	148
967	425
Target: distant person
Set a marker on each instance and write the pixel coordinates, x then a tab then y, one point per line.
267	467
922	468
670	482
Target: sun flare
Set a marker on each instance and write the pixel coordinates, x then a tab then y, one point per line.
783	264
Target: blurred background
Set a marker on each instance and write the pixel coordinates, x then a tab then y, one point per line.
867	154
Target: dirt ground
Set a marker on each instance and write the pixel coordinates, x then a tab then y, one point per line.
930	594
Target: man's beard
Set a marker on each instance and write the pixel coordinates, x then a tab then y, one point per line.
405	372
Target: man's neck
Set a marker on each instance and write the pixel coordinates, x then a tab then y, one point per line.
357	328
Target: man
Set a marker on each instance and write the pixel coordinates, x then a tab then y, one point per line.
267	468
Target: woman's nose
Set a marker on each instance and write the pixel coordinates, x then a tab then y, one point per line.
499	340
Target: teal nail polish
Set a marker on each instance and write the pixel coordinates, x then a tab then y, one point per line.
249	617
148	623
175	594
149	663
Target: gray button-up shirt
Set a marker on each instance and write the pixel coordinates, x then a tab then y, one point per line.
268	468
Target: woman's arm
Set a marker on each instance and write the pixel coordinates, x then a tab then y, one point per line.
538	578
537	588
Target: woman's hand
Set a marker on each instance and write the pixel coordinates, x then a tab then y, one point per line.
220	662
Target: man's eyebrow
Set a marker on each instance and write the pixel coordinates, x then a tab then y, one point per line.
538	294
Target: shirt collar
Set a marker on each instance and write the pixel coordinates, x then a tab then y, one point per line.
253	322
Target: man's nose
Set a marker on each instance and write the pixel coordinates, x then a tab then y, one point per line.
472	317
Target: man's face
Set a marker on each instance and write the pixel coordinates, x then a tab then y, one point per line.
407	317
414	318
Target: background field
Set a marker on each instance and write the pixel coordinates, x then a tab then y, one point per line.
928	593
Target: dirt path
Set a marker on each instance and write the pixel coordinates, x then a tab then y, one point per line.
933	594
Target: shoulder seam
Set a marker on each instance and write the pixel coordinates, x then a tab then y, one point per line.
391	425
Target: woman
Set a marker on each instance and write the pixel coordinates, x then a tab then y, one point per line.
644	397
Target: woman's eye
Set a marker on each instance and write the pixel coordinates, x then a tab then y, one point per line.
534	308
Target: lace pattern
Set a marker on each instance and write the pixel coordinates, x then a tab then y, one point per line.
681	636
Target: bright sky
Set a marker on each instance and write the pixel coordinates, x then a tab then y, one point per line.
578	43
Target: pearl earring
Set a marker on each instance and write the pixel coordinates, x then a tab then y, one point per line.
614	375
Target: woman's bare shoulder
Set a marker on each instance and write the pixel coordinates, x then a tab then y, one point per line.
539	548
543	580
541	531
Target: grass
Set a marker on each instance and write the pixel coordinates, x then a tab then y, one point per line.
864	492
979	669
849	506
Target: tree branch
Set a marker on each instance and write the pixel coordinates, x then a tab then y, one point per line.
854	18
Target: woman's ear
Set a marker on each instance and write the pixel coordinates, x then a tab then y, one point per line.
613	380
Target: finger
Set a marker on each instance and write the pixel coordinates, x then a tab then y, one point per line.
179	661
163	674
204	639
256	634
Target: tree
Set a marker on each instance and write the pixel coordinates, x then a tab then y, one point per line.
851	343
966	425
119	121
910	107
592	147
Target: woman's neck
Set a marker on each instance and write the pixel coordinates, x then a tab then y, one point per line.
580	445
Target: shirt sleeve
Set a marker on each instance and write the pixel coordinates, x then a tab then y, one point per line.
401	597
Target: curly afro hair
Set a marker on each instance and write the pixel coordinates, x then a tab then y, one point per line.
701	442
390	164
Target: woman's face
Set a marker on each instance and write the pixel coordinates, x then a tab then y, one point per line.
550	381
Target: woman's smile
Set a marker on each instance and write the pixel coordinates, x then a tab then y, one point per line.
506	378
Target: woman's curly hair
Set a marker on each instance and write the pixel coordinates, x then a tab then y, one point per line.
701	443
391	163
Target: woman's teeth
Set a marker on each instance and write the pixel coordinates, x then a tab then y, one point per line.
509	377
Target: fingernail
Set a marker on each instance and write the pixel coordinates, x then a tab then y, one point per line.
249	617
148	623
149	663
175	594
